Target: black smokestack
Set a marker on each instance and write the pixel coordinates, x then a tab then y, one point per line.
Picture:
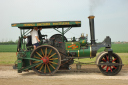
92	30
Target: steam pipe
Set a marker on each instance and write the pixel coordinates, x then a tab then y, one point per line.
92	30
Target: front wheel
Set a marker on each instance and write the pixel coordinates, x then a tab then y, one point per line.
50	57
110	69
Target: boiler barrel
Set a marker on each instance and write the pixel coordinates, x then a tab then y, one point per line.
83	52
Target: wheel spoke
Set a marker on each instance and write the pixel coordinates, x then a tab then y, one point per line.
51	65
107	58
107	68
52	55
36	61
45	69
114	67
114	60
42	52
45	52
110	68
38	65
53	62
53	59
104	60
39	55
50	52
41	67
48	68
103	66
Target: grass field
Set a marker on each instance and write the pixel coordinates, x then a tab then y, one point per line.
117	48
8	58
8	48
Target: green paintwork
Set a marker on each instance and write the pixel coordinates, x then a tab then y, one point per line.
24	60
81	51
83	42
19	63
49	24
72	45
84	52
30	66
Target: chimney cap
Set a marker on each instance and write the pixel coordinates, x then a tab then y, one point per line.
91	17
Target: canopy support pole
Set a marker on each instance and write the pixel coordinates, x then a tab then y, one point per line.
62	34
67	30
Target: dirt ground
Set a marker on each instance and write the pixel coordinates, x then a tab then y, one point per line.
88	75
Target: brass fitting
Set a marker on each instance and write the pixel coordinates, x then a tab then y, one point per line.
91	17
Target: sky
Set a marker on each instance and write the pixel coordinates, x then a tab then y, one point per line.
111	17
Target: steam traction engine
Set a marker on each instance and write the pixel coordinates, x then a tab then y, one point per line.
58	53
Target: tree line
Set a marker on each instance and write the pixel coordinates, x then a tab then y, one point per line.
10	42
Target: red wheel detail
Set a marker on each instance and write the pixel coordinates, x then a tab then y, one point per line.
45	60
110	68
107	68
107	58
114	67
114	60
104	60
103	66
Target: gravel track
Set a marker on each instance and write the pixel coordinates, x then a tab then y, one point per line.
89	74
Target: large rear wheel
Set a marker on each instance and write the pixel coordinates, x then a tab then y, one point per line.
50	57
110	68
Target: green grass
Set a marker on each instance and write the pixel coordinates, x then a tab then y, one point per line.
8	48
118	48
7	58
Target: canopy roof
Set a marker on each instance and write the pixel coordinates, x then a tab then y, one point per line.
55	24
